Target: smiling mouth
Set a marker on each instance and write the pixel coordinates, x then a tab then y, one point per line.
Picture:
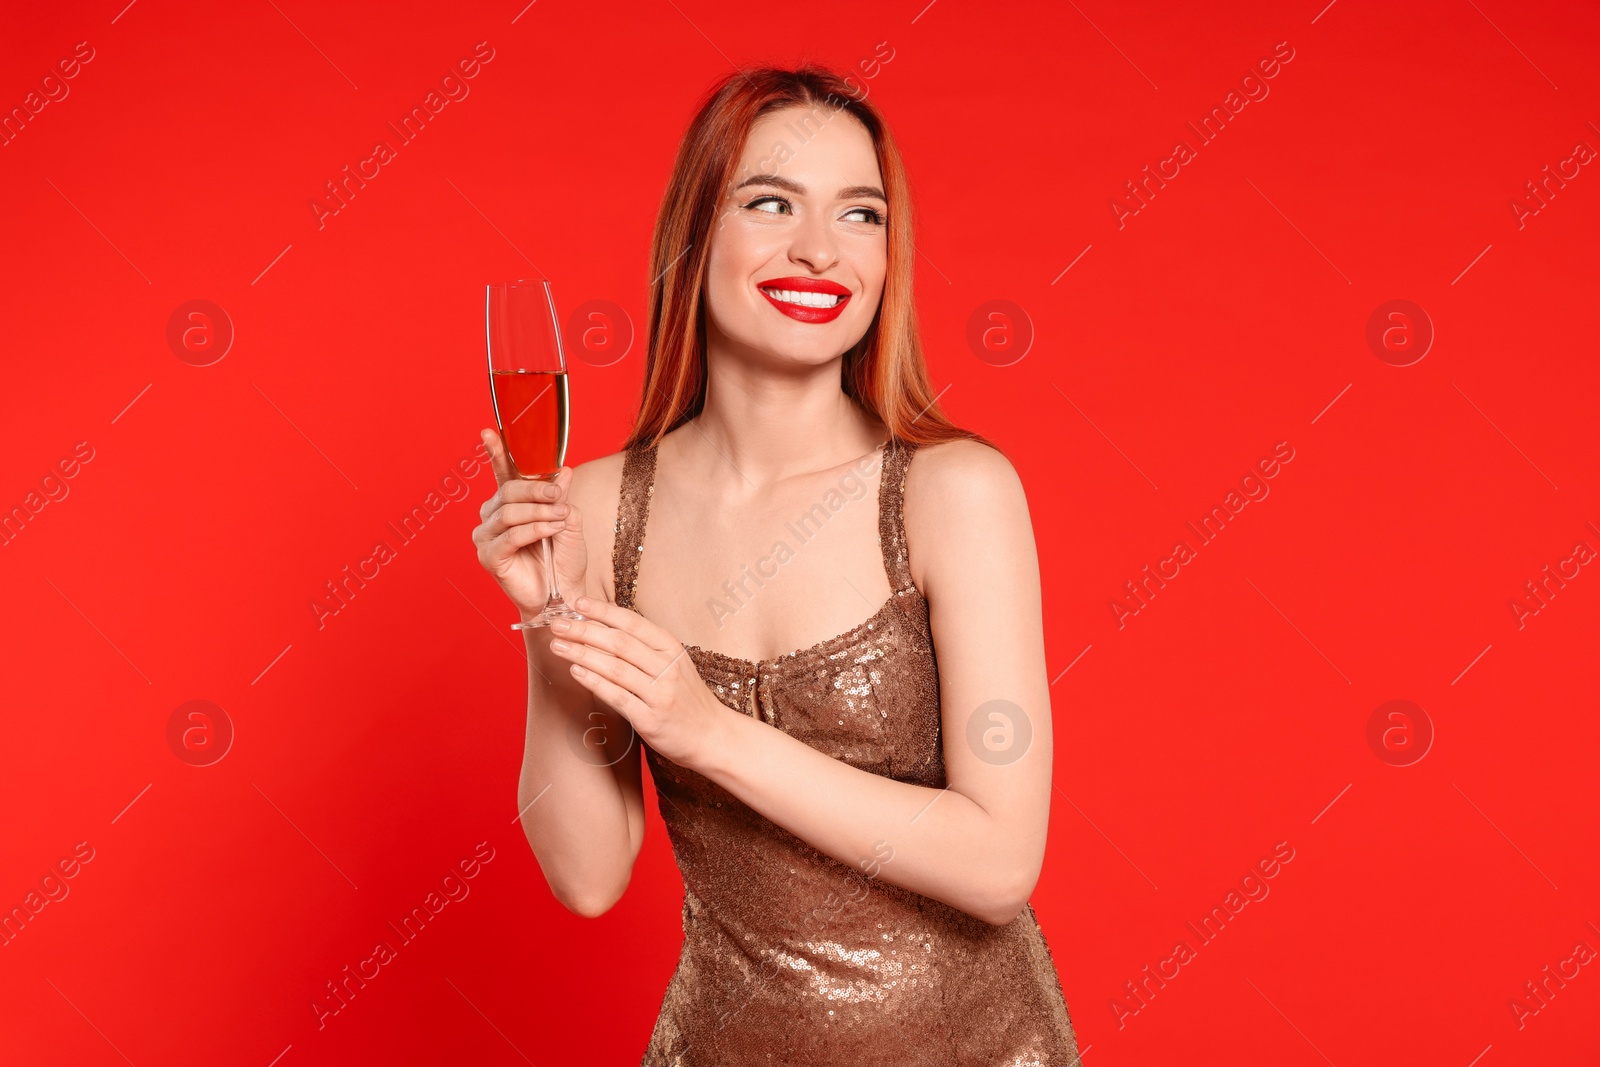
802	299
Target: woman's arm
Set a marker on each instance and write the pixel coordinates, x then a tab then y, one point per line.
580	805
977	845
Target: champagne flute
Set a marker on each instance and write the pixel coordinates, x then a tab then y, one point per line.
528	384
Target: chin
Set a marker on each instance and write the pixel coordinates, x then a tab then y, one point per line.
799	350
812	354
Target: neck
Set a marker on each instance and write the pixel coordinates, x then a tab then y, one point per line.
762	424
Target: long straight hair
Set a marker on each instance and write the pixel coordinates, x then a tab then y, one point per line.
885	371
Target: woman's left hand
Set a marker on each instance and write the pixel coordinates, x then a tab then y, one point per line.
645	675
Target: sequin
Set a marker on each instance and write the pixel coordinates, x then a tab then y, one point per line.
789	956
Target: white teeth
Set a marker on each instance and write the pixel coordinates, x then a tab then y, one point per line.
811	300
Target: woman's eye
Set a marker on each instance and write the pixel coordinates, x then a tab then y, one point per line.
777	205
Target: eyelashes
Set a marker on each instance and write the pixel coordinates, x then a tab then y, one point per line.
874	216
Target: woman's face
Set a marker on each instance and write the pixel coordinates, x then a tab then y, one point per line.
799	253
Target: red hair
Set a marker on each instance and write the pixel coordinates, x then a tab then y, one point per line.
884	371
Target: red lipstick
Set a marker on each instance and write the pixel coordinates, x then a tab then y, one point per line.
802	312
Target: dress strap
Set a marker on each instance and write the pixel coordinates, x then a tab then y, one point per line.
633	509
891	513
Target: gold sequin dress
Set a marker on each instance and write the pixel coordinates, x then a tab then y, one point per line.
789	956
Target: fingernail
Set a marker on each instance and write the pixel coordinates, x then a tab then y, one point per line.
559	645
581	602
561	625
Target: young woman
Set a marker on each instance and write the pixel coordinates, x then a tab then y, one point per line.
859	819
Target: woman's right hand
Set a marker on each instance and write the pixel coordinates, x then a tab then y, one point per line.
521	513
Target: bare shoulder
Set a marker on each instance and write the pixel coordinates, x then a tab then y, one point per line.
965	471
974	483
596	492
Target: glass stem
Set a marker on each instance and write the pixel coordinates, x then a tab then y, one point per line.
548	552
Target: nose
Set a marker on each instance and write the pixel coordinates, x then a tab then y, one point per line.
815	244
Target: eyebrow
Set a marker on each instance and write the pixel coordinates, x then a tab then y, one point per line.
853	192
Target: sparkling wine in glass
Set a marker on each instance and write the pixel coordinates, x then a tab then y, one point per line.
528	384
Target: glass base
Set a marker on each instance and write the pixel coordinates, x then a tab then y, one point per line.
556	609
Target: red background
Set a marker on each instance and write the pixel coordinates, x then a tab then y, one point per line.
1229	314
